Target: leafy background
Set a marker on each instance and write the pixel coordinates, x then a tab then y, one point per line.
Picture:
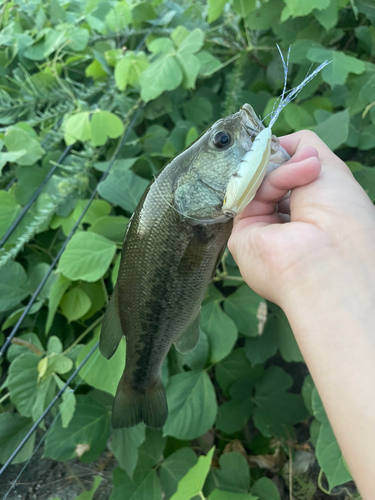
245	420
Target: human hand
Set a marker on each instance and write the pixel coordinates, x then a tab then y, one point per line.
332	222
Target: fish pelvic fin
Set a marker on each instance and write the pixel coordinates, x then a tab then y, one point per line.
111	332
189	338
132	406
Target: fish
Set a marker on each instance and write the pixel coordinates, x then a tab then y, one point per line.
173	245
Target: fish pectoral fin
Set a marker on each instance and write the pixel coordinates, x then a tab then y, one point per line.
189	338
111	332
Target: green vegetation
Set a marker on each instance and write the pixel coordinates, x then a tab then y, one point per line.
243	410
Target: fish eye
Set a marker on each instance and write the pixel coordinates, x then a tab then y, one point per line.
222	140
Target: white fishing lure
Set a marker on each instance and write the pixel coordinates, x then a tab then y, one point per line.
252	168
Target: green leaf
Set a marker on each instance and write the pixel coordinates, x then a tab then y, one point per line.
197	358
296	8
208	63
334	130
22	382
246	307
190	69
163	74
259	349
119	17
192	43
287	344
9	211
87	257
220	330
14	285
112	228
192	405
233	475
233	415
215	8
198	110
174	468
104	124
68	404
263	17
328	452
192	483
366	178
265	489
277	410
327	17
232	368
75	304
336	73
38	272
226	495
77	128
129	69
17	140
103	374
89	495
58	289
13	428
90	425
10	157
125	444
123	188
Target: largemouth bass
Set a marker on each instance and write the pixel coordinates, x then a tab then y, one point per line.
172	247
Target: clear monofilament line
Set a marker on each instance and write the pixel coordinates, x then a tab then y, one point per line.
287	97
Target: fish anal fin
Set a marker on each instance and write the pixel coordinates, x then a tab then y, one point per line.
111	332
189	338
131	406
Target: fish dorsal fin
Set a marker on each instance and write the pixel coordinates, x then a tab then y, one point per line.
111	332
189	338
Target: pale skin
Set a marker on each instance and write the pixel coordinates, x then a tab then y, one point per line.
320	268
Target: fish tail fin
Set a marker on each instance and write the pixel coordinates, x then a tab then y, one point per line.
132	407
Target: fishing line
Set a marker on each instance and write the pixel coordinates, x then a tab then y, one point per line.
15	223
43	415
56	259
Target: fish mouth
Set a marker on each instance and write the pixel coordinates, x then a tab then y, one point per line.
250	121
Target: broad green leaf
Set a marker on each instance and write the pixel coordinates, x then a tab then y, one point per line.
366	178
75	304
286	341
22	382
15	315
232	368
90	425
296	8
334	130
215	8
123	188
30	339
123	164
192	483
125	444
233	415
163	74
328	452
145	483
233	475
87	257
58	289
68	404
112	228
162	45
89	495
179	35
13	428
192	405
229	495
192	43
174	468
265	489
104	124
119	17
14	285
327	17
9	211
10	157
54	345
336	73
263	17
220	330
17	140
190	67
246	307
198	110
38	272
307	390
208	63
244	8
129	69
77	128
99	372
44	395
259	349
277	410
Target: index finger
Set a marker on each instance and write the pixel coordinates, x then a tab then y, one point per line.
294	142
